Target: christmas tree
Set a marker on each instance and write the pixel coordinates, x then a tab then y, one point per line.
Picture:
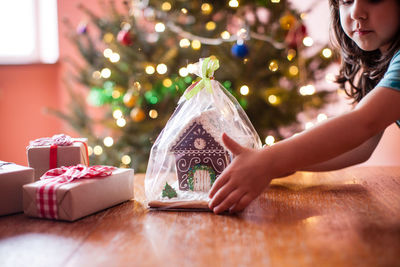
168	191
138	61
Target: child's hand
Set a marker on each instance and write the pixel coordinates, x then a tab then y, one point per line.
241	182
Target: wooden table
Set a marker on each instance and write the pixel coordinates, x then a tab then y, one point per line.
344	218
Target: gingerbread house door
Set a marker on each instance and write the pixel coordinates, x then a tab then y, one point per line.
203	178
202	181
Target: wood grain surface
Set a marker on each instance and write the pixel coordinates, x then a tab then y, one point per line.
344	218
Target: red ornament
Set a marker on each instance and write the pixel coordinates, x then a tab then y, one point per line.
124	37
295	36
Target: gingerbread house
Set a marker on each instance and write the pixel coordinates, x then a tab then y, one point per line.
199	154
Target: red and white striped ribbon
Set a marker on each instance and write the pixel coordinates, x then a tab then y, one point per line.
46	197
58	139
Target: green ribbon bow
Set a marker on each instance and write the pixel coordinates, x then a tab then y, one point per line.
206	71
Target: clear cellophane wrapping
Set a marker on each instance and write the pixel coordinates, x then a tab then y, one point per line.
195	127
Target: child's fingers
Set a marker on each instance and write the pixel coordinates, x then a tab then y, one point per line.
244	201
229	201
219	182
222	193
231	145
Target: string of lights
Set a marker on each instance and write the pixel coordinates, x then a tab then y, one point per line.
276	81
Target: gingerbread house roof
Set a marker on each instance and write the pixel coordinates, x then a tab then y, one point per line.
210	122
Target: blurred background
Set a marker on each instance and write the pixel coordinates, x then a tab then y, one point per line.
113	71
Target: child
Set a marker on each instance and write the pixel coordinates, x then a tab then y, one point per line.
368	32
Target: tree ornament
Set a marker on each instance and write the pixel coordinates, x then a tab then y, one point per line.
124	37
263	14
130	98
206	8
250	16
295	36
137	114
234	24
82	28
108	37
287	21
240	50
97	97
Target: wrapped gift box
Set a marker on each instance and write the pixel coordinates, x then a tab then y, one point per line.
82	197
12	178
70	155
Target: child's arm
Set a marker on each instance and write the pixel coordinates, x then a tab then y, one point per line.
355	156
252	170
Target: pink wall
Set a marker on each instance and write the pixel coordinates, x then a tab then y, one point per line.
26	90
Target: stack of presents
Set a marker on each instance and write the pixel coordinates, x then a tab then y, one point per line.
59	182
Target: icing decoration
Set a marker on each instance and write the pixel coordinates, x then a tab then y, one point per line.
199	155
169	191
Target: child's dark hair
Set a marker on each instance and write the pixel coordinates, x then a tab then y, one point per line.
361	70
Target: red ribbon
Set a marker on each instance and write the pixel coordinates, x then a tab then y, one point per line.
46	197
53	154
53	157
68	174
